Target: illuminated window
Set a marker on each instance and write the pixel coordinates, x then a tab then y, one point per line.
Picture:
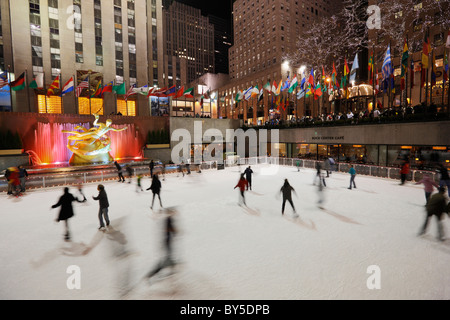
52	104
126	109
95	105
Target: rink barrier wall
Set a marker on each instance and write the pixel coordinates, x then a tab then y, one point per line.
54	180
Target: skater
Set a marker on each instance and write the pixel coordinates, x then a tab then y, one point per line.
156	189
319	175
23	175
180	168
332	164
287	190
139	185
103	206
14	181
163	171
444	179
248	175
151	166
242	184
119	171
66	212
169	233
188	168
327	166
129	171
352	173
436	206
428	185
404	171
79	186
298	165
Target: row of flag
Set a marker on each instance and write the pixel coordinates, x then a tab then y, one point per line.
99	91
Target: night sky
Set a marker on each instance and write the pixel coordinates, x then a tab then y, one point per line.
220	8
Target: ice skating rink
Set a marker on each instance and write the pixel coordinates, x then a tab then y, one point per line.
362	245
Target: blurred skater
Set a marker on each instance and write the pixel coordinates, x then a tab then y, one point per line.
79	186
14	181
248	175
169	233
180	168
129	171
428	184
436	206
8	180
102	198
66	212
286	190
139	184
298	165
242	185
319	174
352	173
119	171
163	172
156	190
444	179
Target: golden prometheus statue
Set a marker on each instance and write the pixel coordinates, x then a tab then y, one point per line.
93	145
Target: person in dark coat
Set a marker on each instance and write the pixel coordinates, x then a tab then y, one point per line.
286	190
23	174
119	171
248	175
156	189
66	212
8	180
445	179
436	206
103	206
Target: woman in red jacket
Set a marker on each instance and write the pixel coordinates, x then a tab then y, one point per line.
404	171
243	185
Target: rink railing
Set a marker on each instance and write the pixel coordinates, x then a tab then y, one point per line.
38	181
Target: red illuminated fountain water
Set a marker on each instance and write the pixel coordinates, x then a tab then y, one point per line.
50	144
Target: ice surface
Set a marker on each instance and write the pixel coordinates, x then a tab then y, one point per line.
226	251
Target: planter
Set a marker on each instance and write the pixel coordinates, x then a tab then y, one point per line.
11	152
158	146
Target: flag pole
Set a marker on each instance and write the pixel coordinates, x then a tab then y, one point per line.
45	95
427	76
9	85
28	90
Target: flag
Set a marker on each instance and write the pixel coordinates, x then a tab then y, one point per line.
180	93
433	70
3	79
83	84
261	95
130	91
445	77
141	90
370	67
405	57
279	88
346	73
248	93
255	92
387	64
285	85
448	40
412	73
426	50
392	79
171	91
377	84
334	75
309	91
119	89
311	77
302	84
19	83
238	97
355	67
318	91
189	93
68	87
300	94
98	90
283	104
274	87
38	81
268	87
293	85
108	87
53	86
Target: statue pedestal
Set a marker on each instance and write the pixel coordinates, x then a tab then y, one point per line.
83	160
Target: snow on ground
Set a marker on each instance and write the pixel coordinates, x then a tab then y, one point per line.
226	251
